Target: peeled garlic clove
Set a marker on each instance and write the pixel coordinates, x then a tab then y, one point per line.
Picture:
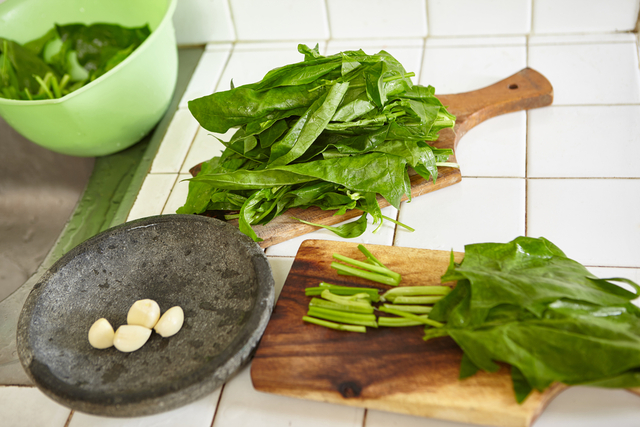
144	312
170	322
129	338
101	334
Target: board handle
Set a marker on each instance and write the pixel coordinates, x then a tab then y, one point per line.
524	90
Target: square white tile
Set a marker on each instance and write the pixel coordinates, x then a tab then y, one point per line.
377	18
242	406
594	221
27	406
175	143
201	21
465	68
407	51
383	236
207	73
280	20
584	16
197	414
152	195
475	210
495	148
584	141
597	73
487	17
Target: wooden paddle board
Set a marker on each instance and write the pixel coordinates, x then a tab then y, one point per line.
524	90
388	369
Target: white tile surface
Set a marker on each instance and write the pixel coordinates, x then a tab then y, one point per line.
464	68
384	236
581	38
280	267
152	196
583	16
476	41
377	18
203	21
27	406
599	73
474	210
594	221
197	414
390	419
279	19
495	148
178	194
205	146
572	142
207	73
242	406
591	407
472	17
176	143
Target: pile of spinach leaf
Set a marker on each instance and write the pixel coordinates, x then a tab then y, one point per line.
64	59
526	304
329	131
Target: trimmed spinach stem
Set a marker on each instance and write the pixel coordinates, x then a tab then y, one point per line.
336	326
420	319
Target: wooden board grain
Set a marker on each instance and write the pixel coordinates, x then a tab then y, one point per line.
389	369
524	90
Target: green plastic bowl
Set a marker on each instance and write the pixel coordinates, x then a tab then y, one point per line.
117	109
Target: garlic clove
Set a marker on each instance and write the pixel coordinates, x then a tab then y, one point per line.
101	334
170	322
130	338
144	312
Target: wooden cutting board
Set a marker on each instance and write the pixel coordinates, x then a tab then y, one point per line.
388	369
524	90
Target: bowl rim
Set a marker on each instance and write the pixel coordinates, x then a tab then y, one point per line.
167	19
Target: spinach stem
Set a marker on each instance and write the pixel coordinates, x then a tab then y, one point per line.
318	302
414	300
328	295
415	309
418	290
380	278
420	319
43	86
337	326
343	317
398	322
448	165
370	256
373	294
399	223
372	267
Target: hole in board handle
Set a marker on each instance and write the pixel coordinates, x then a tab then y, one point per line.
513	86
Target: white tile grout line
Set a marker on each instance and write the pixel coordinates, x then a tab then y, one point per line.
328	20
233	21
526	141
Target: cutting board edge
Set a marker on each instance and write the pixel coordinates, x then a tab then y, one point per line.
397	404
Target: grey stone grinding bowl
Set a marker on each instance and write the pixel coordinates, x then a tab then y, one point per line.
219	277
